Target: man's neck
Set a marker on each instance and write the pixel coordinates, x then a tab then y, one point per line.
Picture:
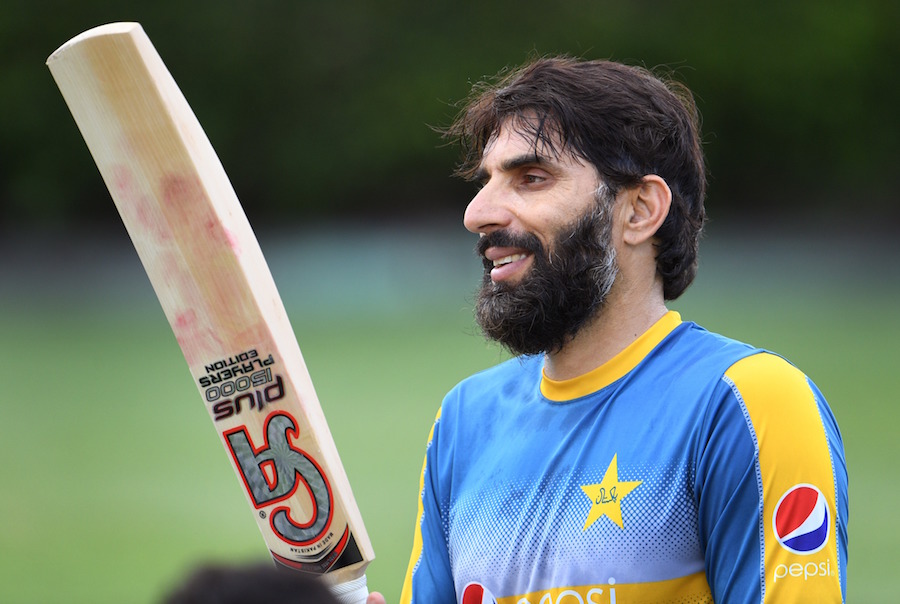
620	322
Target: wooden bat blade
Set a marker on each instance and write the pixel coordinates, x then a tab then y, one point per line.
218	294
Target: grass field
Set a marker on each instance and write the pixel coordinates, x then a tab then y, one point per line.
115	485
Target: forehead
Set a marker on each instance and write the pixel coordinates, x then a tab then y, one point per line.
524	137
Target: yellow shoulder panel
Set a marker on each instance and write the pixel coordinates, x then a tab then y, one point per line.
796	477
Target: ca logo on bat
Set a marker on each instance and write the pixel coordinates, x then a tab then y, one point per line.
275	470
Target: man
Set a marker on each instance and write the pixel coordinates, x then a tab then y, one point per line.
625	455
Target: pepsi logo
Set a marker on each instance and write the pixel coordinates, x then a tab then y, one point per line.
801	520
476	593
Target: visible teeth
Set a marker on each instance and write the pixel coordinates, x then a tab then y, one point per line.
508	259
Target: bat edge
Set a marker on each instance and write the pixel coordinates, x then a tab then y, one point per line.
108	29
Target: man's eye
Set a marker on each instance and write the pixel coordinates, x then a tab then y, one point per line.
532	179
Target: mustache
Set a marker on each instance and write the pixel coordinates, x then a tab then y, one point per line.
526	241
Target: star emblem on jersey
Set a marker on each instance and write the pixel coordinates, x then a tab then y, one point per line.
606	497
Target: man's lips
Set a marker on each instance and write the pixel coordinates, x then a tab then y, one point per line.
507	262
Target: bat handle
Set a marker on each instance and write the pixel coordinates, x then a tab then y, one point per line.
354	591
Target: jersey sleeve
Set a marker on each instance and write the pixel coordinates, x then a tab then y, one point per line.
428	577
771	485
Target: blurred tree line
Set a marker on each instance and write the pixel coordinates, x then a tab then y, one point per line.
322	109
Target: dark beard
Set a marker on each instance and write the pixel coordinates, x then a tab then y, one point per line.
563	290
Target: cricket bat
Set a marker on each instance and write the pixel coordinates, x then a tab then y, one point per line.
217	292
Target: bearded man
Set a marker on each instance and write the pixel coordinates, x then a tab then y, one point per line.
624	454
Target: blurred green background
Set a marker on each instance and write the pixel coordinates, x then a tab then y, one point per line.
114	483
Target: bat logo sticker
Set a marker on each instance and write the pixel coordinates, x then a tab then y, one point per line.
274	471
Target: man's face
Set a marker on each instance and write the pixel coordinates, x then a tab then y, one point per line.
545	229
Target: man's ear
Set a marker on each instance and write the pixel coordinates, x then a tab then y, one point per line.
648	207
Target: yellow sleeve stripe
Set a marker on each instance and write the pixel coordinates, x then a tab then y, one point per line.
416	554
793	451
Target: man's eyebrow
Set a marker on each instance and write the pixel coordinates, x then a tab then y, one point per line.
510	164
520	161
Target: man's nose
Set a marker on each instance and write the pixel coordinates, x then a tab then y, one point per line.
488	211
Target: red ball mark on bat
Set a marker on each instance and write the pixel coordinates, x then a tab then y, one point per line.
185	199
195	339
135	206
122	179
189	205
185	328
219	232
232	240
185	320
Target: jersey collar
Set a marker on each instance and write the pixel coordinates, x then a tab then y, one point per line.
615	368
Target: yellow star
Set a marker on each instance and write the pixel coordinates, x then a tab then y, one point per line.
606	497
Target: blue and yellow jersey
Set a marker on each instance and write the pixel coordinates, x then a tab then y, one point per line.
690	468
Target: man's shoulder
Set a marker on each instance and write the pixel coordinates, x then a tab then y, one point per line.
772	380
692	349
692	334
732	355
744	370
